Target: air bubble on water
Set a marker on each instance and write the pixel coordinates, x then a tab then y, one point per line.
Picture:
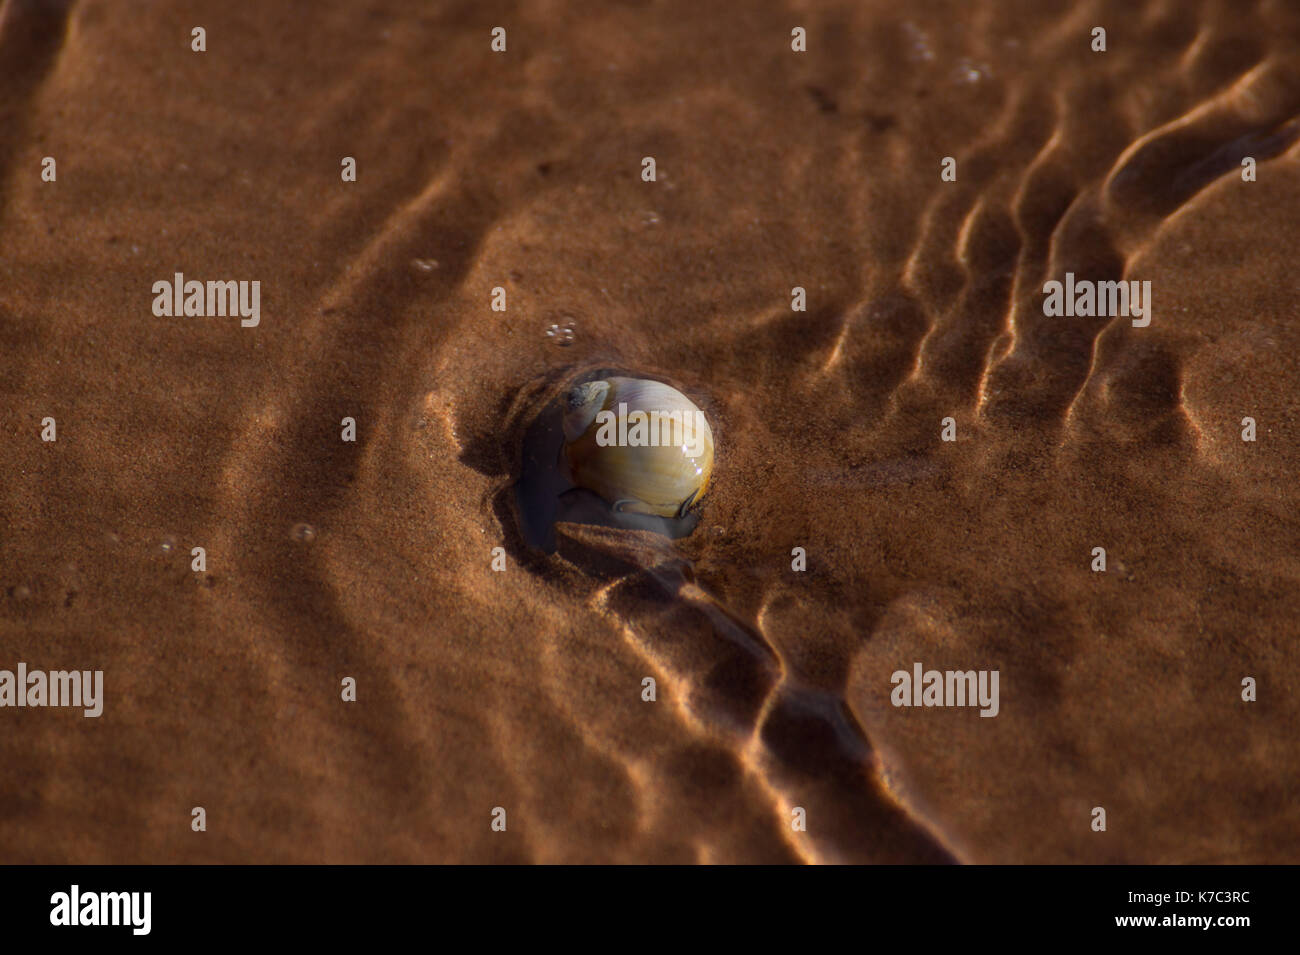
919	41
424	265
562	334
969	71
303	532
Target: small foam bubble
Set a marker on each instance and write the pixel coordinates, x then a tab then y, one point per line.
920	43
968	71
562	334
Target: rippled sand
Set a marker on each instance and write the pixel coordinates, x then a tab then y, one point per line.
522	689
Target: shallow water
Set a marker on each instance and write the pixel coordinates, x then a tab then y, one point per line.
522	689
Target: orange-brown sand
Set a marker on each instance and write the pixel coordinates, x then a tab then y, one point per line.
522	689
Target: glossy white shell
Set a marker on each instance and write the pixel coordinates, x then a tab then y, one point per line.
658	478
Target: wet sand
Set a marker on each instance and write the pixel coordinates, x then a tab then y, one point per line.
522	689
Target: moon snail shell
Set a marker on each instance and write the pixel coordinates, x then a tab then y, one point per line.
640	444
